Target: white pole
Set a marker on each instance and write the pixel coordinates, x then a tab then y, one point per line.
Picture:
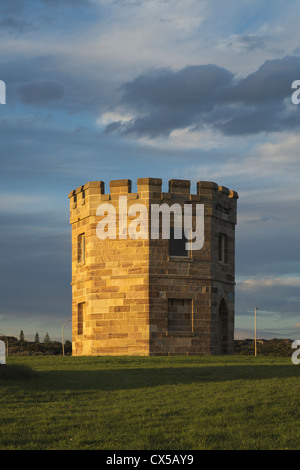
255	347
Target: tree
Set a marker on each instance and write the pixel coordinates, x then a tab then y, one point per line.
36	338
47	338
22	338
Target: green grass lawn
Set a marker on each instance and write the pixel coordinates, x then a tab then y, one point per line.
150	403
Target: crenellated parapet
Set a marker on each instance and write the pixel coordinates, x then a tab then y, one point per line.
219	201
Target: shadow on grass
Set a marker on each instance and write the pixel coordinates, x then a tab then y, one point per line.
126	379
17	372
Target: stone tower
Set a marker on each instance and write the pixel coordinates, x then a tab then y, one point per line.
148	296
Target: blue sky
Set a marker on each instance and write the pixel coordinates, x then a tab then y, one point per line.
110	89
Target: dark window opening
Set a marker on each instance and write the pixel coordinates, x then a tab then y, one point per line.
223	248
80	318
81	248
177	246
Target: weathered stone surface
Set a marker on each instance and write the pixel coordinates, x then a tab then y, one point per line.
129	297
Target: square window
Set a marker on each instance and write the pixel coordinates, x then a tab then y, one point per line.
177	245
180	315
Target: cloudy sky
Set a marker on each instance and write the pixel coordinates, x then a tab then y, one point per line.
111	89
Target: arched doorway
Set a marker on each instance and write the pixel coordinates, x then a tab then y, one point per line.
223	327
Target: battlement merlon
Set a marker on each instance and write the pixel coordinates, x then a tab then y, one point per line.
219	201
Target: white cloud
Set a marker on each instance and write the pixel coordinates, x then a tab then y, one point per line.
189	139
266	161
282	150
113	116
259	283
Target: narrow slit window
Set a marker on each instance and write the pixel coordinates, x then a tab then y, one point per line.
222	248
80	318
81	248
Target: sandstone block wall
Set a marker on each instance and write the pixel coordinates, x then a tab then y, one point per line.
130	297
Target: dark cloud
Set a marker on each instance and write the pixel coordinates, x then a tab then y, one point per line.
266	255
41	93
246	43
197	96
169	100
193	87
46	80
251	119
270	83
282	299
